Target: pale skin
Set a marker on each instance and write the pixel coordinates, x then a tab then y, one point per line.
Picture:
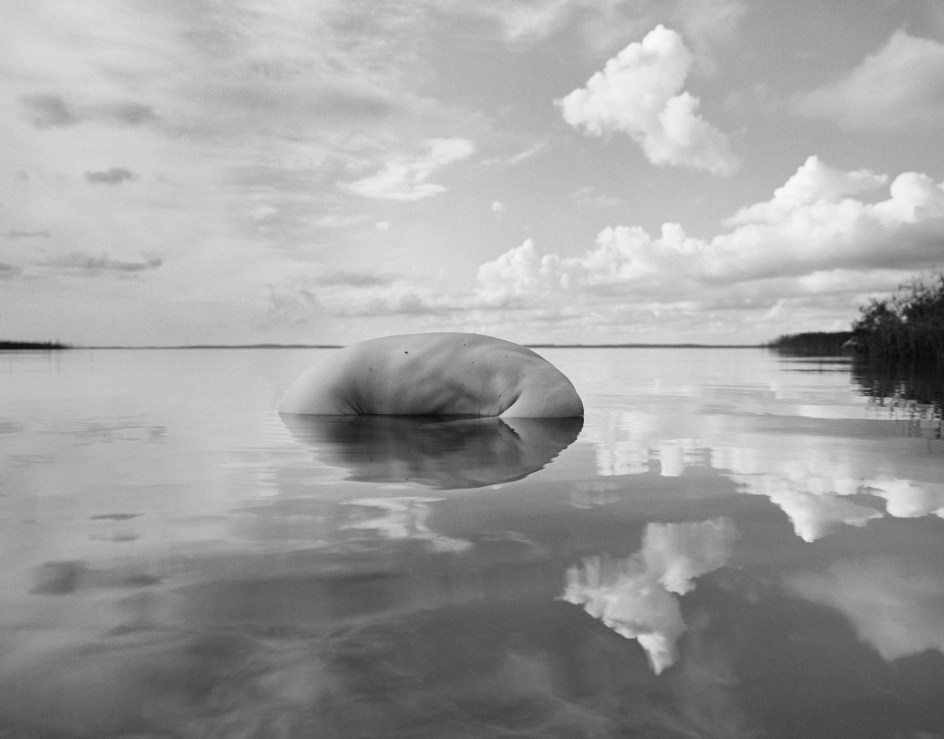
434	374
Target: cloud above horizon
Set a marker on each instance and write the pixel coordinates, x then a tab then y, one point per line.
79	263
640	94
900	85
810	229
110	176
404	178
823	235
421	141
52	111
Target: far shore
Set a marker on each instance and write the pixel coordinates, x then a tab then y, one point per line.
49	346
31	346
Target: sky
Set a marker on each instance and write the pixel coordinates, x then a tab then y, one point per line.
555	171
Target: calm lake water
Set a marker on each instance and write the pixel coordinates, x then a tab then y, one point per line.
733	544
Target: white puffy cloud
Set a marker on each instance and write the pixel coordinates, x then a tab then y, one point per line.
900	85
825	232
637	597
804	259
639	93
813	182
406	178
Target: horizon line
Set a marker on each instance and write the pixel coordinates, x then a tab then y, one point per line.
541	345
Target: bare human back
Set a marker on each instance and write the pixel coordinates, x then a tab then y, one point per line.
434	374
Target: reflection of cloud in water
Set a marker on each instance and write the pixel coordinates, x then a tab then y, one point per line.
592	493
820	482
893	607
439	452
677	454
814	516
405	518
905	499
813	491
637	596
619	443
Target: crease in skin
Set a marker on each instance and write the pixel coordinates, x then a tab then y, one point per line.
434	374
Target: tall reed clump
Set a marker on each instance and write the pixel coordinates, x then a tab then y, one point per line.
907	327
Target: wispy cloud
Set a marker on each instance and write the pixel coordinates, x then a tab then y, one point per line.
639	93
587	197
52	111
80	263
900	85
406	178
48	110
111	176
13	235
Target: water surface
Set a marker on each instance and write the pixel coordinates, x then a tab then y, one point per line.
732	544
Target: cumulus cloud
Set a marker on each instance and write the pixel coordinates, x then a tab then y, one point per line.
813	182
111	176
811	228
820	245
900	85
639	93
406	178
637	597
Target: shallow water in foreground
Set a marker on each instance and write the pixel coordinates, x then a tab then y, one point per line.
732	545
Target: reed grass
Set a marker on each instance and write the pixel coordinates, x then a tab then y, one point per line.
906	327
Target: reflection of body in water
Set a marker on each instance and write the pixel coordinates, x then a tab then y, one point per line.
435	451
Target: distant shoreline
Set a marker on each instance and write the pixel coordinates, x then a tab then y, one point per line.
31	346
48	346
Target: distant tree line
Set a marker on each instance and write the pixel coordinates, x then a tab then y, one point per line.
814	343
45	346
906	327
